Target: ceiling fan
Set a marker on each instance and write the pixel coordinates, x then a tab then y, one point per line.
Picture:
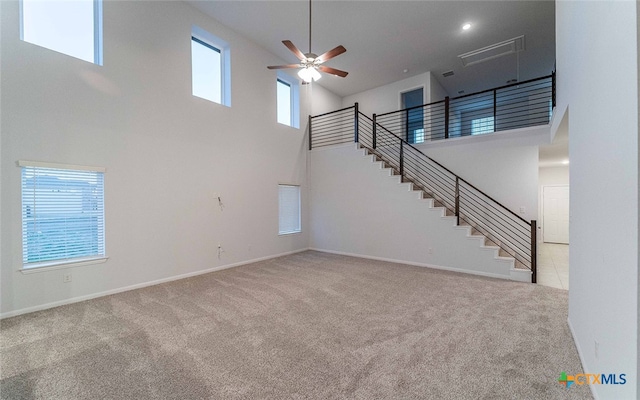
311	63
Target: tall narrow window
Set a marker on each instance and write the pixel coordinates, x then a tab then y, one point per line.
62	214
289	209
284	102
210	67
207	71
73	28
287	100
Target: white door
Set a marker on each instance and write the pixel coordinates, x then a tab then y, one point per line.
555	214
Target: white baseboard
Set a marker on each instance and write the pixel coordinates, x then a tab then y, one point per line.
139	285
573	336
416	264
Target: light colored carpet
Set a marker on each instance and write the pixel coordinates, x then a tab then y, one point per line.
309	325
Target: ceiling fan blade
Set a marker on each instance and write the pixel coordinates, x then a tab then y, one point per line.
332	53
294	49
284	66
332	71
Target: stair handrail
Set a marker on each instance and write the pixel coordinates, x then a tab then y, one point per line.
405	143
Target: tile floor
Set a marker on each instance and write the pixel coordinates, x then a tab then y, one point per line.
553	265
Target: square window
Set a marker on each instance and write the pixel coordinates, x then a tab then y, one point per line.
210	68
482	125
73	28
62	214
289	209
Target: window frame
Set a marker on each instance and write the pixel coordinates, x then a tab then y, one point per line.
57	263
219	45
294	97
282	232
97	33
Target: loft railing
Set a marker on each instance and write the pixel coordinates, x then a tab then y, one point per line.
471	206
518	105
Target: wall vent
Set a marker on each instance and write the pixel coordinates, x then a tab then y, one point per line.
448	73
510	46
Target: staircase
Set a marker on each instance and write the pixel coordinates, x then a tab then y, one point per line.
359	206
492	226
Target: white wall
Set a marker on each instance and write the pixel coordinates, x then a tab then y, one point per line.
437	92
592	37
323	100
387	98
357	208
504	166
167	153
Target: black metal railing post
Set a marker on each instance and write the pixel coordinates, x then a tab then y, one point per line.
446	117
309	125
401	159
534	251
356	124
553	90
375	132
457	200
406	125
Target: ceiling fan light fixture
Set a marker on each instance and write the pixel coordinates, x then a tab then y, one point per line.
308	74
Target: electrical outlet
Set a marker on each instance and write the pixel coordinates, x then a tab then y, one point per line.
523	210
66	278
429	250
596	348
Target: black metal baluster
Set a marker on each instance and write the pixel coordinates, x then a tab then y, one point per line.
375	131
534	251
401	160
309	125
356	124
457	200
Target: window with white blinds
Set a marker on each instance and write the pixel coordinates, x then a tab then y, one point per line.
62	214
289	205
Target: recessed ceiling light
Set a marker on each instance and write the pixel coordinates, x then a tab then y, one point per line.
405	71
466	26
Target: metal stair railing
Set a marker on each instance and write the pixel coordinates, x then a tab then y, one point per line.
511	233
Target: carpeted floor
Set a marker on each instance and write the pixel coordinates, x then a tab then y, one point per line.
305	326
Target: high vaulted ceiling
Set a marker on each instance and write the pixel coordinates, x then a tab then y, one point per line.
385	38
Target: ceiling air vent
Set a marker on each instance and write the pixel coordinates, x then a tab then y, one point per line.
510	46
448	73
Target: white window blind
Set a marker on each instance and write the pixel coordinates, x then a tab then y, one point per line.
289	204
62	214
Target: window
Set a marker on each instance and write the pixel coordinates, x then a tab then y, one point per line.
284	102
210	67
62	214
289	209
288	100
482	125
70	27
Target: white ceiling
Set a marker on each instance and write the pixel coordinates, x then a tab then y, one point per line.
383	38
